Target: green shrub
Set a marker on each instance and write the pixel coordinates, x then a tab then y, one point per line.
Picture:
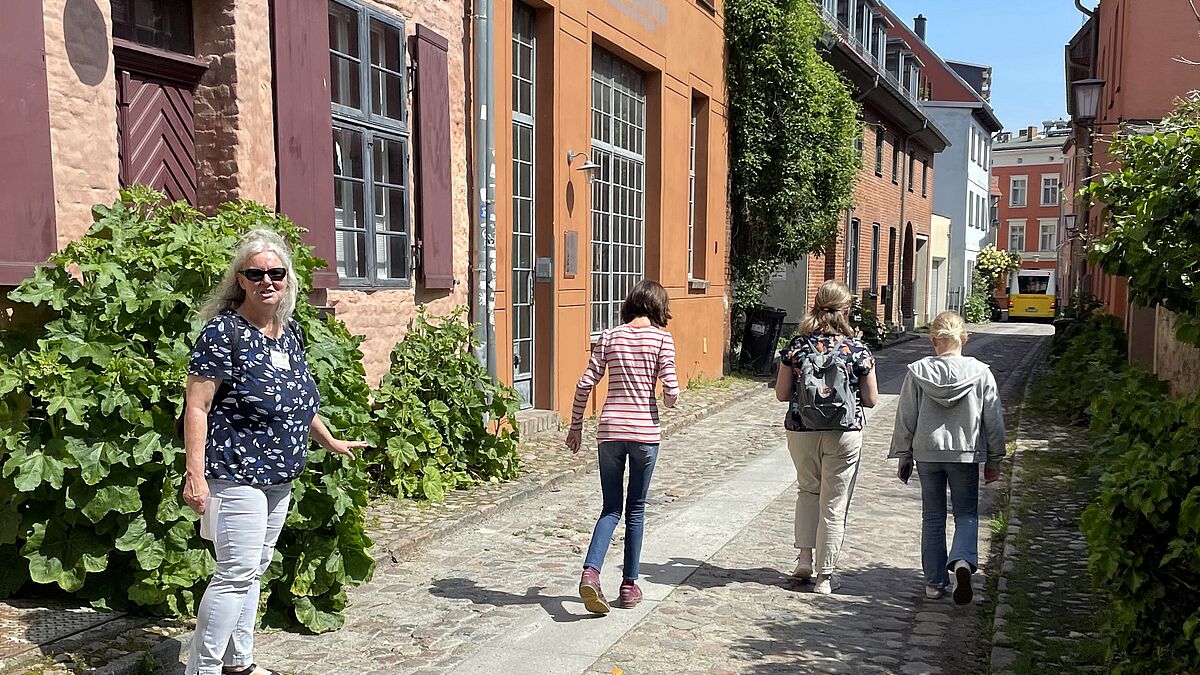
433	409
867	323
91	379
1144	527
975	308
1085	362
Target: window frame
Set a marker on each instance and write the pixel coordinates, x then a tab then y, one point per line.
1047	227
1057	189
602	151
880	142
1014	226
912	169
895	161
853	237
875	257
924	177
1012	191
373	128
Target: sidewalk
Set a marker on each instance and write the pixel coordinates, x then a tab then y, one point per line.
56	638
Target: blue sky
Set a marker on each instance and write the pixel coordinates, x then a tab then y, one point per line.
1022	40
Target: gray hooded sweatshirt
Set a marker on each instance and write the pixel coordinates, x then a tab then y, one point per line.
949	411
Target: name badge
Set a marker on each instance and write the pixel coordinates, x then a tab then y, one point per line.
280	360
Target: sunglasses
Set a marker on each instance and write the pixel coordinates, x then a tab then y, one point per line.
256	275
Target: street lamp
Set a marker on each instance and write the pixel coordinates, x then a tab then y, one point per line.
1069	223
1086	96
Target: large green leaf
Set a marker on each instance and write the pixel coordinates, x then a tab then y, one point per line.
63	555
109	498
32	467
148	548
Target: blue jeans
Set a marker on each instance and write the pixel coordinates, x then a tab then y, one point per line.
613	456
963	480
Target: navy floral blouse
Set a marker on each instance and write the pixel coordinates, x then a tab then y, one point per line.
258	425
853	350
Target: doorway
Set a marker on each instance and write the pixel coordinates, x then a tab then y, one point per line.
523	220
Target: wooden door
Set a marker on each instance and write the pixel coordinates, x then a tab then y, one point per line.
156	134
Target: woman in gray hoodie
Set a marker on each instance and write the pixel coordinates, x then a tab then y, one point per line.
949	420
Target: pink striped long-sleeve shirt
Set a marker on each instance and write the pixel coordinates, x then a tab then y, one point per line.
636	357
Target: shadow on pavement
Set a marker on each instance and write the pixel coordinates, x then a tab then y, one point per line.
468	589
708	576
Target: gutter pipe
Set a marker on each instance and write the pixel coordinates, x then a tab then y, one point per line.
483	303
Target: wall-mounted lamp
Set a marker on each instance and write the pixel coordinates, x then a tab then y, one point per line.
588	165
1086	96
1069	223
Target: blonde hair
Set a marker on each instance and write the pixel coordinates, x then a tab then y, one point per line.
229	294
948	328
827	316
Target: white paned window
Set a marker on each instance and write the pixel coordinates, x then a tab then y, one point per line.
1018	189
1016	235
1050	190
618	186
1047	234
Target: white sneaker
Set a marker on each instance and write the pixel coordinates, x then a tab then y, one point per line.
804	568
827	583
934	592
962	586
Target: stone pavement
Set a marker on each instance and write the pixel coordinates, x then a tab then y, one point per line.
1048	617
501	597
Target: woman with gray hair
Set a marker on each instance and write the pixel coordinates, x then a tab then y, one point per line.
250	409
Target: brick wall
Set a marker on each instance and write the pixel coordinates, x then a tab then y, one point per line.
234	112
83	111
877	199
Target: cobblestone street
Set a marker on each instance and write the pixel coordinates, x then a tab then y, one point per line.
501	597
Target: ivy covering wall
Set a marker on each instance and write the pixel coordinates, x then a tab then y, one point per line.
793	126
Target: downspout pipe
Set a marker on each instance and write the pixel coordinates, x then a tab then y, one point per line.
484	183
1079	6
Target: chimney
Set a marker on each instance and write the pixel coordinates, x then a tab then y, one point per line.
1023	133
1031	132
919	24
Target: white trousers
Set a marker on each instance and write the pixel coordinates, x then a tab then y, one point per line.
826	467
247	524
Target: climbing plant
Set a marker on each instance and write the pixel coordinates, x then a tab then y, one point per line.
1152	203
793	127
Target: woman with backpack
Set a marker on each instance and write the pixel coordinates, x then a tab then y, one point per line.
637	355
827	375
949	421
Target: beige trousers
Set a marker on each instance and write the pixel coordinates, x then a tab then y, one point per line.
826	467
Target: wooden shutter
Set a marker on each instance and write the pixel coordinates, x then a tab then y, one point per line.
304	124
434	205
26	184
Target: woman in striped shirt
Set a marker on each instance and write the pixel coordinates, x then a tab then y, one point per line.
637	355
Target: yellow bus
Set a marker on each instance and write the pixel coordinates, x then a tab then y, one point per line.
1031	294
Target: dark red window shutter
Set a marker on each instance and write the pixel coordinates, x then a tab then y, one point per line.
27	227
434	201
304	124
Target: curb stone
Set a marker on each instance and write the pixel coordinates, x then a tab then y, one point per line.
1002	656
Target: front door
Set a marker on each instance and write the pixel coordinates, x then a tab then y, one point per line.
522	202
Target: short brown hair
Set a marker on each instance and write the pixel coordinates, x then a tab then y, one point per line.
649	299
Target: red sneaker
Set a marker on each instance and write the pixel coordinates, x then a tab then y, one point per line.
589	590
631	595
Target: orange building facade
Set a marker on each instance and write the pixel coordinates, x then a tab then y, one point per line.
610	167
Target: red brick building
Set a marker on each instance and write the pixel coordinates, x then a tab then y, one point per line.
1027	171
881	250
1134	49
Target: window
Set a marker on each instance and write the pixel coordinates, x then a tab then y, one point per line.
370	146
165	24
924	178
859	142
1017	188
896	161
875	257
1050	191
618	187
1047	234
879	151
524	117
1016	235
912	170
974	145
697	106
852	256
